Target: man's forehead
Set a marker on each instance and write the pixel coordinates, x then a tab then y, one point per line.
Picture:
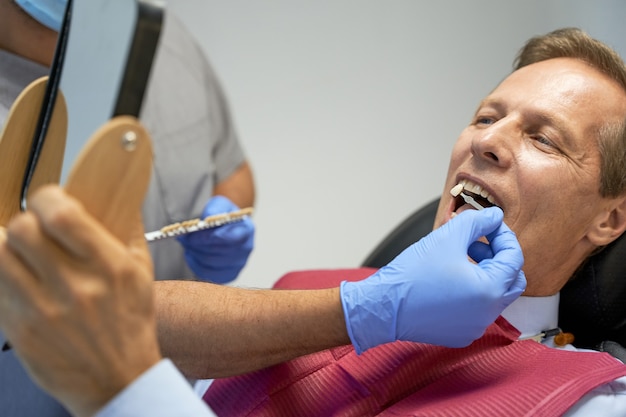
563	87
574	71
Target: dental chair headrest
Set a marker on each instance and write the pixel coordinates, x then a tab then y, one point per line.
593	302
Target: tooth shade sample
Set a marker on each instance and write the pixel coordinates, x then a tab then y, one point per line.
456	190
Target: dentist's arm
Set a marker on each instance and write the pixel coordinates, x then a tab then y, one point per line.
218	255
430	293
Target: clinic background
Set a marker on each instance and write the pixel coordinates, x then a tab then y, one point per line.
348	109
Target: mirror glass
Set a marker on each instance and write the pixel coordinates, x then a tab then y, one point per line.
101	67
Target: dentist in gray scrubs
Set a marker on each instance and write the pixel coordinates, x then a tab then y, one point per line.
216	179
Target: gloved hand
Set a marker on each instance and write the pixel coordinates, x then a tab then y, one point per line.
219	254
432	292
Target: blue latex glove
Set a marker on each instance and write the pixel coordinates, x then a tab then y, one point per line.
432	293
219	254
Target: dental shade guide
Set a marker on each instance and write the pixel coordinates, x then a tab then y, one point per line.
194	225
458	190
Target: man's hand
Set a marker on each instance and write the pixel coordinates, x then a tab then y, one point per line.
219	254
75	303
432	292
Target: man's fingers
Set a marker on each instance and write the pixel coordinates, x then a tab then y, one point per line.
17	283
65	221
57	234
32	247
61	219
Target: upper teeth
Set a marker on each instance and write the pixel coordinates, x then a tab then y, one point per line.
472	188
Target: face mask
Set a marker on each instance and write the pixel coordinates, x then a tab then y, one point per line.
49	13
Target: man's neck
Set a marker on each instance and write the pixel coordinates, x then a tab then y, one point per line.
22	35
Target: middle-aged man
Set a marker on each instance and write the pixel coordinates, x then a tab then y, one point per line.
548	146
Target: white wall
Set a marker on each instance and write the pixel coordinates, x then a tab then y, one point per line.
348	109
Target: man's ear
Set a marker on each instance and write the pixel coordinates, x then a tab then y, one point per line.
609	224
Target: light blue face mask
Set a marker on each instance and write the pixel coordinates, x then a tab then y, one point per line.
47	12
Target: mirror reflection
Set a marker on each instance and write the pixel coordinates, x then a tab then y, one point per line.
97	55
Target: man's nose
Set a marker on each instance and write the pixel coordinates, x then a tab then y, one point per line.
495	144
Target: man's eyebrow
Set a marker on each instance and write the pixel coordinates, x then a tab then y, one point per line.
490	102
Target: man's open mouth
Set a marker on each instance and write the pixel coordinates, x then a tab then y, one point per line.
467	192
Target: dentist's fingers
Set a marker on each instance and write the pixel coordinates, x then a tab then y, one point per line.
484	222
479	251
507	261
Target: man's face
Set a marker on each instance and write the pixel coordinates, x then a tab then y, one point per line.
533	147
